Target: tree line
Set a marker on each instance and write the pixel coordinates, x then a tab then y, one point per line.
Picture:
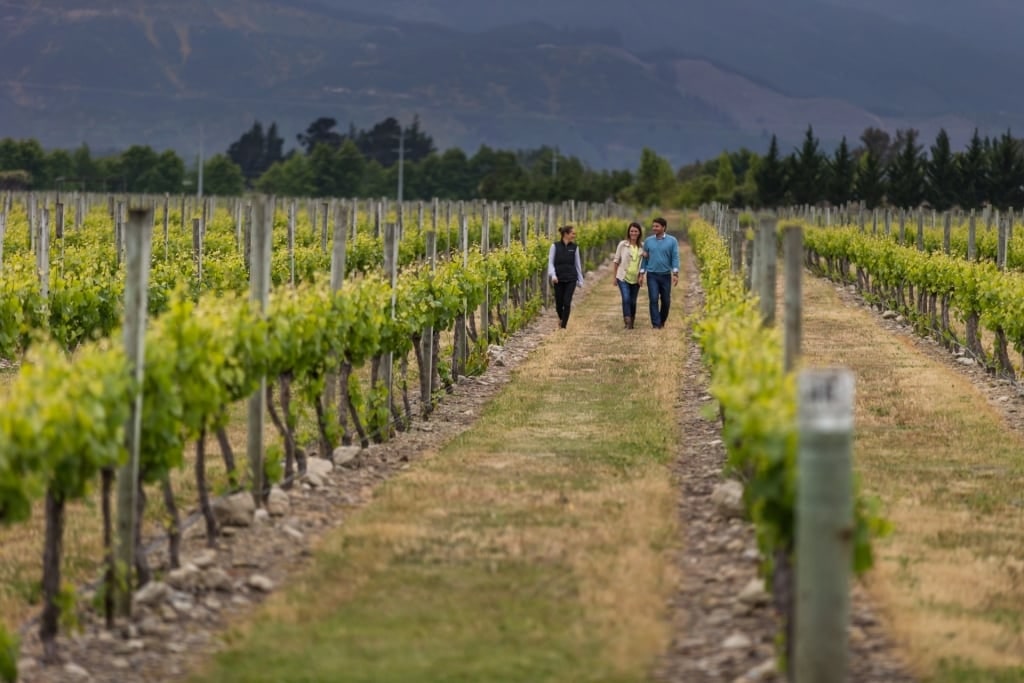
880	170
325	163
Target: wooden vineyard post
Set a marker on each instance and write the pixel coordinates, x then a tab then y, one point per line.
766	270
485	250
3	236
197	251
972	232
43	254
167	218
291	242
259	291
506	243
428	369
339	249
920	230
824	525
139	245
391	272
792	256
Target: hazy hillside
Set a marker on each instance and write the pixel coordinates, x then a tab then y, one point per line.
688	77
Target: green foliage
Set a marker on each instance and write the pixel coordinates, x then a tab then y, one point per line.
758	402
273	464
9	647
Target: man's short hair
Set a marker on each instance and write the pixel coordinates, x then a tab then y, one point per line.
660	221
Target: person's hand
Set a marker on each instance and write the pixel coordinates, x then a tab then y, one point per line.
554	280
675	279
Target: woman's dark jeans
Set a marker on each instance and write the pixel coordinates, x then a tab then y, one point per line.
629	296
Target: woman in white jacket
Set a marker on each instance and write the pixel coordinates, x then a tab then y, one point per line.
627	259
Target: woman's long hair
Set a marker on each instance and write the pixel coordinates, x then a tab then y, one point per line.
640	237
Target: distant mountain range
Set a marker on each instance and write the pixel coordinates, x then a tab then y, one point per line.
598	79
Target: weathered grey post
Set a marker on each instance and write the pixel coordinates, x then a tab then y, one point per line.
259	291
736	239
920	230
947	229
197	251
32	221
43	254
506	243
167	218
1001	243
485	249
339	248
391	272
767	270
888	223
792	256
427	346
59	233
903	226
972	247
3	236
1009	237
291	242
323	233
139	246
824	525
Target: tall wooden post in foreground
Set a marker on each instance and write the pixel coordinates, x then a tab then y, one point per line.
824	525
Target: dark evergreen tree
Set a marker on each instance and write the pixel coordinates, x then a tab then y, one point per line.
808	172
771	177
320	132
876	141
381	142
941	174
906	172
842	170
1006	173
418	145
869	185
972	174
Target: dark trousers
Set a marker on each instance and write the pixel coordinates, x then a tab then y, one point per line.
630	293
659	289
563	300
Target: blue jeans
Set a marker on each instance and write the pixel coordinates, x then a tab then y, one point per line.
659	289
629	296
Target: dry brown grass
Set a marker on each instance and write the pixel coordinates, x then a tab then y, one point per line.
948	470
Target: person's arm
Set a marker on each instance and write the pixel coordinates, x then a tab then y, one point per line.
643	257
579	270
675	262
551	264
617	260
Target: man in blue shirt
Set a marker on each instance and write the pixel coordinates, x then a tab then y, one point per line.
660	269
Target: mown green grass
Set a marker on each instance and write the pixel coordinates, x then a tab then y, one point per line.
536	546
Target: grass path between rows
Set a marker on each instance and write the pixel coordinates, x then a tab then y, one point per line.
536	546
950	473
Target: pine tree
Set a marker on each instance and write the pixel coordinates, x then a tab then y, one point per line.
809	171
1006	173
842	169
771	177
941	174
906	172
972	174
869	186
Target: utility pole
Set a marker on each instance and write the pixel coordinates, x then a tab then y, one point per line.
200	188
401	160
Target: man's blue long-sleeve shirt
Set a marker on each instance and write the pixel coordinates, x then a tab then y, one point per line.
662	255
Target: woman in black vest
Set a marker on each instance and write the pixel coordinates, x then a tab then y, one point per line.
565	271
